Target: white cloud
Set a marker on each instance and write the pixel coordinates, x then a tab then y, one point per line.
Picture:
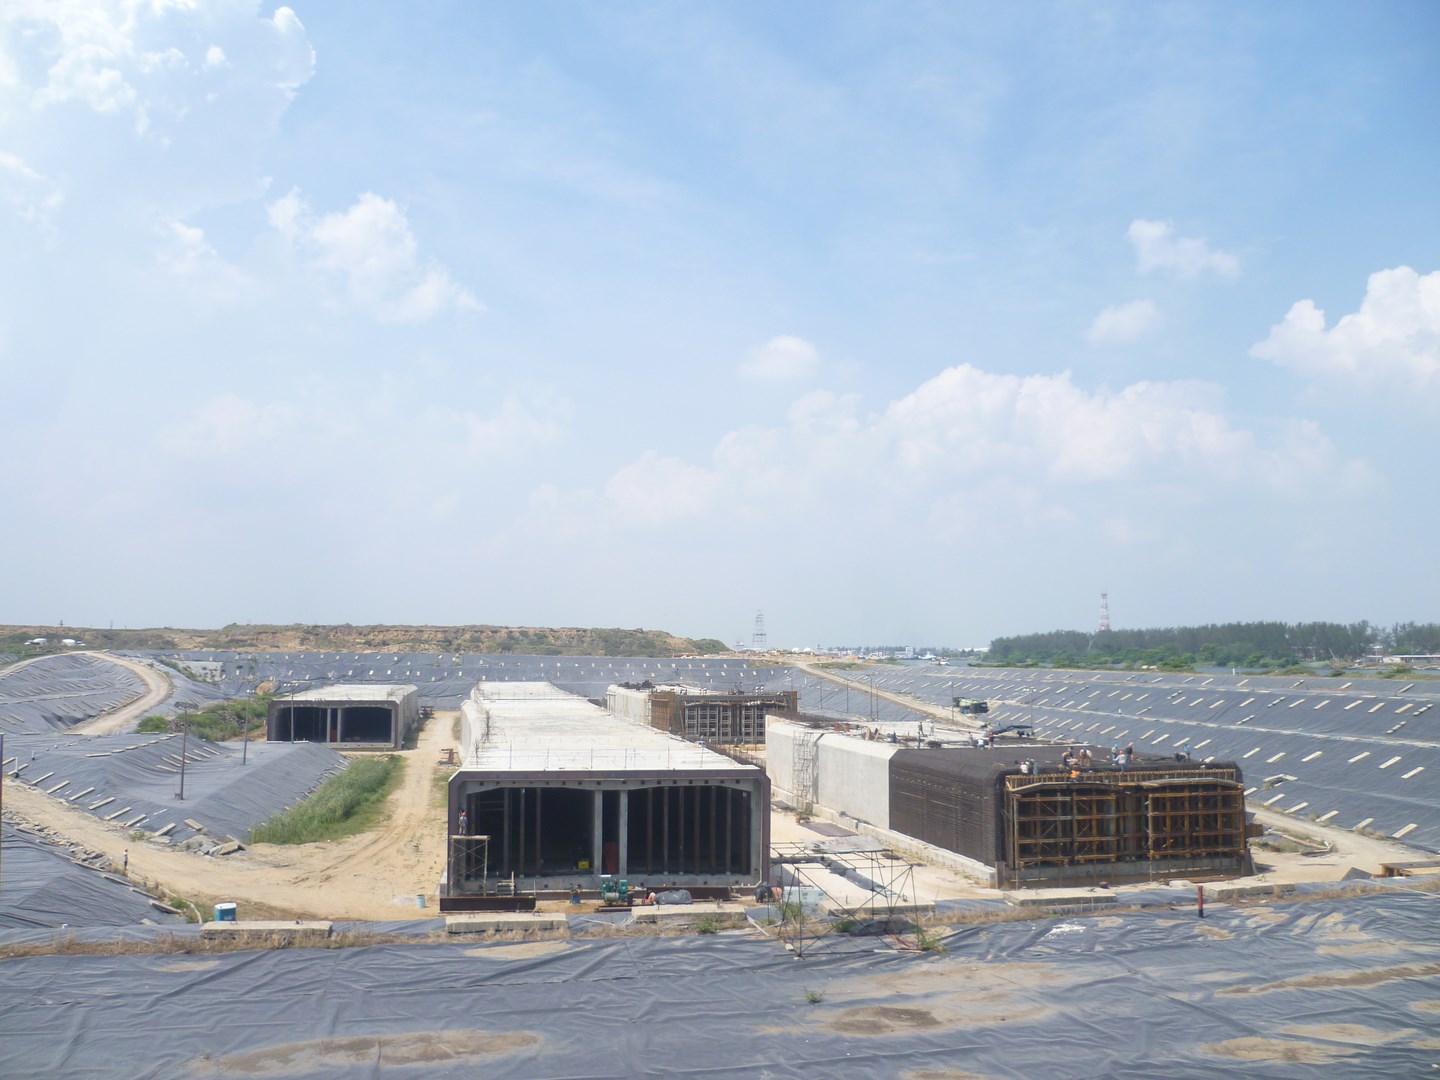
144	111
185	253
1122	324
119	56
516	426
1158	248
372	248
657	488
322	422
229	424
1393	340
781	359
30	195
967	428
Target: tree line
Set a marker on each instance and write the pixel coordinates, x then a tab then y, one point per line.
1250	645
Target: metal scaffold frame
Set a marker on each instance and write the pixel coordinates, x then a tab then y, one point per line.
890	897
467	853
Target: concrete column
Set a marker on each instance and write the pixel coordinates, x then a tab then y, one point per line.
597	842
759	818
622	868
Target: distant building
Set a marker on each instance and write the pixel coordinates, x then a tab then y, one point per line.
701	715
364	714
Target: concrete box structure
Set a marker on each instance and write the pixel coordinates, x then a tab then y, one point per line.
355	715
557	792
700	715
1163	817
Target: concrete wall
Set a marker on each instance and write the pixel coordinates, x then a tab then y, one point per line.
780	739
632	705
853	777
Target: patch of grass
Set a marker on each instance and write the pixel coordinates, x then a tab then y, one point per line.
926	941
707	925
791	911
345	804
814	997
218	722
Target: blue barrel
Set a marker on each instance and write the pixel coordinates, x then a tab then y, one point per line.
224	912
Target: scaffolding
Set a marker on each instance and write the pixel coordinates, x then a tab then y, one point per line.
1140	823
470	865
882	898
803	768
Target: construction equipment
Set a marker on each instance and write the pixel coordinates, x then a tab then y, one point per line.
614	893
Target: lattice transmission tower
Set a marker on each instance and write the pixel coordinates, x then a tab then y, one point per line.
757	639
1104	614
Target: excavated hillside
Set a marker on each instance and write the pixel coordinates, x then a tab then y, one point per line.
259	637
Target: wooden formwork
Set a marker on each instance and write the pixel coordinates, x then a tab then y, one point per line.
1166	822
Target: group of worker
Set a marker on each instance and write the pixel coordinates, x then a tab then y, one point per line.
1080	761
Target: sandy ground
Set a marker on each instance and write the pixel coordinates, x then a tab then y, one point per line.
158	688
376	875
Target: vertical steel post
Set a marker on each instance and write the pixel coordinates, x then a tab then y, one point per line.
184	750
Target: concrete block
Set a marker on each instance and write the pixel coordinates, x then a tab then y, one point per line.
1225	892
722	912
260	931
1052	899
492	922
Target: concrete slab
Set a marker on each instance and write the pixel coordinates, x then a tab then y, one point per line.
723	912
261	931
1224	892
492	922
1059	898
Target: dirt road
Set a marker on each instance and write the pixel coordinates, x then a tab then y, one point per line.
158	688
375	875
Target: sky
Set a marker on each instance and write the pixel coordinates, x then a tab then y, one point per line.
899	322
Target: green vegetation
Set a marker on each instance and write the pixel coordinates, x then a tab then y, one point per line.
814	997
928	941
1276	647
345	804
218	722
707	925
527	640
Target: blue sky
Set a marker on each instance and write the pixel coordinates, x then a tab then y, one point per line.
899	322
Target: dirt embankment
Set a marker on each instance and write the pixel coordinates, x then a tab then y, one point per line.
375	875
158	688
558	641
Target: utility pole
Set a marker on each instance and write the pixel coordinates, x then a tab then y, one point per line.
185	707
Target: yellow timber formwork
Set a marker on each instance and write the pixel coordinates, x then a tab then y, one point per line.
1157	823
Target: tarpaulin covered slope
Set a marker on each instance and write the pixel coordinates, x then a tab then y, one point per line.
1325	989
54	692
136	778
40	886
